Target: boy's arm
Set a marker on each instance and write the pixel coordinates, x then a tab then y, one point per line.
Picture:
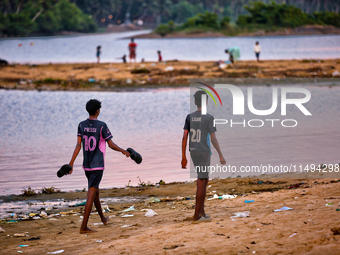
217	147
184	148
75	153
115	147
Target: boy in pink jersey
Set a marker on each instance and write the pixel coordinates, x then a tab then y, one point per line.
94	135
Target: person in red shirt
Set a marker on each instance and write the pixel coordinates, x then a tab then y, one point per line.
132	50
160	59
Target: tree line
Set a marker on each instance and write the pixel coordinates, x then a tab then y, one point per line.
27	17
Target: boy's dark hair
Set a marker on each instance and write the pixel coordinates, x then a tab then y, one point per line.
93	106
198	97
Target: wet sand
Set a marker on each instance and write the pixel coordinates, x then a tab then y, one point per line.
112	76
303	230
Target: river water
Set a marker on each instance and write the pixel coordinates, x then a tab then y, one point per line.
39	133
82	48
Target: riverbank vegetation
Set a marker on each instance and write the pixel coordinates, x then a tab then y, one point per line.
43	18
261	16
51	17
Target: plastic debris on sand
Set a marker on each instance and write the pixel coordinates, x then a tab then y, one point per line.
131	208
226	196
150	213
285	208
241	214
153	200
56	252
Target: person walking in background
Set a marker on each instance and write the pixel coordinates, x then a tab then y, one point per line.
123	58
257	50
160	59
132	50
98	53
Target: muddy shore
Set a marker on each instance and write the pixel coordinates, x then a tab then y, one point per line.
113	76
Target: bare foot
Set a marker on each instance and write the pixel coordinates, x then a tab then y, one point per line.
106	220
87	230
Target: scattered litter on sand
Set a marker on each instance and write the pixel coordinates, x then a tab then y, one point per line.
127	215
169	68
125	226
241	214
131	208
150	213
226	196
285	208
56	252
20	234
153	200
249	201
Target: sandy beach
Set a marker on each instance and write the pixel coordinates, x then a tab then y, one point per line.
112	76
306	229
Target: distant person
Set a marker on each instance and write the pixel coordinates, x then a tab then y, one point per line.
199	147
132	50
98	53
160	59
257	50
234	54
93	135
123	58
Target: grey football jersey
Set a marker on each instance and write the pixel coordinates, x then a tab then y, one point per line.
200	127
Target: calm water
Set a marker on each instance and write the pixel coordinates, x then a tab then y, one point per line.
39	133
83	48
39	129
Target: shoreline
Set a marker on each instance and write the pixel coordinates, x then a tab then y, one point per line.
303	30
302	230
173	73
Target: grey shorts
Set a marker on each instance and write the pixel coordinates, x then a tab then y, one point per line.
94	178
201	160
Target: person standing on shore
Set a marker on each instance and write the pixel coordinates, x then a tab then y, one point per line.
98	54
132	49
201	128
94	135
160	59
257	50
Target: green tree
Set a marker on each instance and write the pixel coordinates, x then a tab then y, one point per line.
184	10
206	20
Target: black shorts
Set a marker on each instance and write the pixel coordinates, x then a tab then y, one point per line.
201	160
257	54
94	178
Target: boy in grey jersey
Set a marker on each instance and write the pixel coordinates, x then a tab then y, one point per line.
94	135
201	129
